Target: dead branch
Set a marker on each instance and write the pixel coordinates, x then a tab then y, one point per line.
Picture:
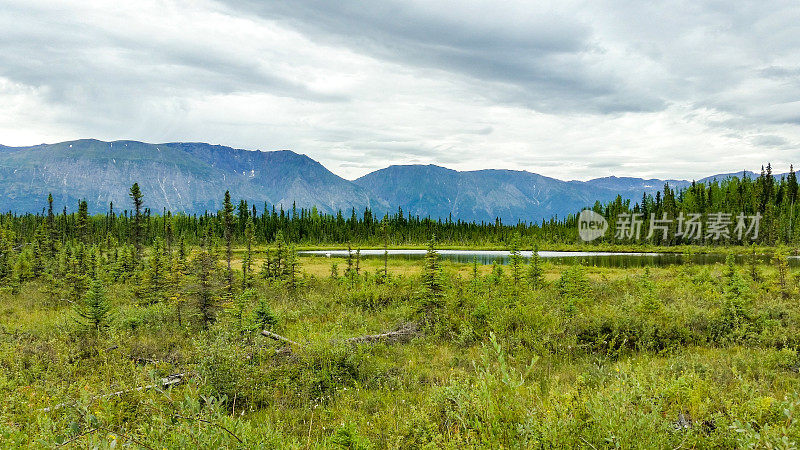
211	423
85	433
165	383
141	360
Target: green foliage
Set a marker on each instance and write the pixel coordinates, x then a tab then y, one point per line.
94	310
263	316
497	272
690	357
535	270
573	287
156	276
207	284
515	262
137	226
433	289
227	220
247	261
334	270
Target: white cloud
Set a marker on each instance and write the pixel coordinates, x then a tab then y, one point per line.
574	90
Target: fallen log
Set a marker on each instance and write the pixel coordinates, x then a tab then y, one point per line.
404	333
165	383
278	337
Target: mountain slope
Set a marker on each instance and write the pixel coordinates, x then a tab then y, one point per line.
484	195
189	177
634	186
192	178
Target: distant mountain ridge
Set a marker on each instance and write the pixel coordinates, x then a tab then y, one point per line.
188	177
192	177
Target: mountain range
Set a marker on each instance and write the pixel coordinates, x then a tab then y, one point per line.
192	178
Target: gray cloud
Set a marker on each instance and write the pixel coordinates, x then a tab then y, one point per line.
542	59
578	89
769	141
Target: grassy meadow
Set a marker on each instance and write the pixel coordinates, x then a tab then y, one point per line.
542	356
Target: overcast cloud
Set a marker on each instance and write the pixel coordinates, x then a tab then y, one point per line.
574	90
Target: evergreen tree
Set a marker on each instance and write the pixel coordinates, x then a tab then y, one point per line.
93	309
82	222
176	280
227	220
433	298
497	272
780	260
76	275
292	271
206	272
516	261
51	227
384	276
736	301
263	316
349	271
156	280
755	273
39	246
535	271
136	226
248	256
334	271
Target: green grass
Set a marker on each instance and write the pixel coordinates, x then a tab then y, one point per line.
598	358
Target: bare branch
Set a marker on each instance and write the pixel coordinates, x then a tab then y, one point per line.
165	382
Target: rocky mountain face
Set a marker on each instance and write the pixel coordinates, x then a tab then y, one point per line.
192	178
480	195
188	177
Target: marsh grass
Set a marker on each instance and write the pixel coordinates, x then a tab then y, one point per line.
596	358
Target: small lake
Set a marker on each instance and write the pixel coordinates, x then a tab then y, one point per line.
597	259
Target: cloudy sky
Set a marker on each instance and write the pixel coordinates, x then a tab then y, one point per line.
574	90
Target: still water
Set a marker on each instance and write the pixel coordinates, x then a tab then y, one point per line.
598	259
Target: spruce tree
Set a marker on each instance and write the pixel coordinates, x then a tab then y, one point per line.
206	269
137	226
293	271
334	271
497	272
780	260
263	316
752	262
82	222
515	259
51	227
227	221
247	261
177	274
279	262
433	297
349	271
385	233
535	271
156	274
93	309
